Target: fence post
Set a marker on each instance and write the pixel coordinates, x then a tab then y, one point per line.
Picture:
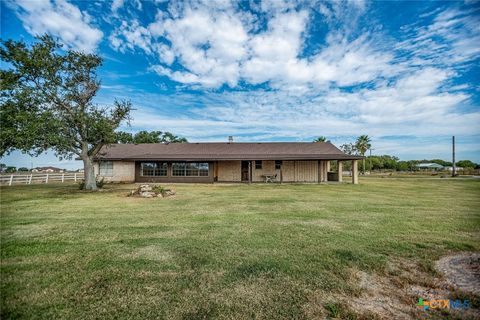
30	180
63	177
46	178
75	177
11	180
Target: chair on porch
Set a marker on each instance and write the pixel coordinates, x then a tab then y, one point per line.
270	178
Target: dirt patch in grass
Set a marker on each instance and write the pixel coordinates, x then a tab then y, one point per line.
461	271
394	295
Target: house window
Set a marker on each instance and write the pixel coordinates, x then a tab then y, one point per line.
258	164
178	168
278	164
106	168
153	169
203	169
190	169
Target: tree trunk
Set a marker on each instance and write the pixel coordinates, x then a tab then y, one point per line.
363	166
89	174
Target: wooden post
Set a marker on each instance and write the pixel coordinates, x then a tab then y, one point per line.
30	180
328	166
75	177
11	180
319	168
340	170
63	177
46	178
249	172
355	171
454	171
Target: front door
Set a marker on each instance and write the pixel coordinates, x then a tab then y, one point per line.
245	172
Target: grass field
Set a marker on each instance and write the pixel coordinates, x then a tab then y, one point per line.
229	251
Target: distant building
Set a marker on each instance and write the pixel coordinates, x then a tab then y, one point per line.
430	166
48	170
451	168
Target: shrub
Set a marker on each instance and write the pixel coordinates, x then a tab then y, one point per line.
160	190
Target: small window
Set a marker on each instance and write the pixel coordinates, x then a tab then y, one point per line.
106	168
278	164
258	164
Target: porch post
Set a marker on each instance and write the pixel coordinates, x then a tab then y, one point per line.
249	172
323	169
327	165
340	170
319	168
355	171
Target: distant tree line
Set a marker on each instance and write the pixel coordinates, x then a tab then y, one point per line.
148	137
387	162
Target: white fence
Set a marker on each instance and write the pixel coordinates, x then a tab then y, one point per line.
16	179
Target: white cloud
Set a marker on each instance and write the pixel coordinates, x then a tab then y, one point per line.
61	19
131	35
452	38
220	44
353	83
117	4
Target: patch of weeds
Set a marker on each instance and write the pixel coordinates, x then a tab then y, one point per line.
339	311
427	266
421	245
346	256
450	245
159	189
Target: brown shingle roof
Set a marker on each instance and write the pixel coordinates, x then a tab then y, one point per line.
224	151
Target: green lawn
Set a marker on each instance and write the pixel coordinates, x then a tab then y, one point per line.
226	251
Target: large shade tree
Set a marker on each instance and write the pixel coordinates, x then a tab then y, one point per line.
47	103
362	145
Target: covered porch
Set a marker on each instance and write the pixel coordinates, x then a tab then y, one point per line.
283	171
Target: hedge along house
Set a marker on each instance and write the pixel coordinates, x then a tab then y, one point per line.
307	162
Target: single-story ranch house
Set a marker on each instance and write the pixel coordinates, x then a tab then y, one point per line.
223	162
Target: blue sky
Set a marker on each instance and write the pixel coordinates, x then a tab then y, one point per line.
405	73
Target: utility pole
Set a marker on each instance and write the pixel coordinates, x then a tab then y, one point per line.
453	157
370	160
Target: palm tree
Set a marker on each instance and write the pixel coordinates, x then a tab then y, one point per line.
362	145
320	139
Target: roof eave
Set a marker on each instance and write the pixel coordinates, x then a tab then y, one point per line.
242	158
